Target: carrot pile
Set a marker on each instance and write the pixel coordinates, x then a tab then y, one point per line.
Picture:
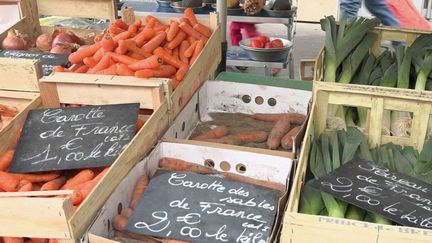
286	127
153	50
6	115
120	221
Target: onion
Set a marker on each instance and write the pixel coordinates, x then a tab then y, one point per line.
61	49
62	38
14	41
43	42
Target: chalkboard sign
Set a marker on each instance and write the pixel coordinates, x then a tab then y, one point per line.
73	138
204	208
400	198
48	60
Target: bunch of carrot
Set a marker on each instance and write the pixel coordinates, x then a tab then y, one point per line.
27	240
6	115
286	127
153	50
120	221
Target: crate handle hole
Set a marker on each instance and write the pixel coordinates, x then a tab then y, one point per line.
119	208
183	126
209	163
271	102
246	99
259	100
176	136
109	225
196	108
241	168
225	165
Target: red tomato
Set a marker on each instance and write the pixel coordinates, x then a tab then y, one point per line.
264	39
277	43
256	44
268	45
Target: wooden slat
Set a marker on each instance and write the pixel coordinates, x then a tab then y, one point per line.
321	111
98	9
420	124
375	122
20	74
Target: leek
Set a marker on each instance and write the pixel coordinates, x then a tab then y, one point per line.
310	201
355	213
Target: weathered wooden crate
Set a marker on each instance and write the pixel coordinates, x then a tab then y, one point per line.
406	36
232	97
241	161
302	228
53	217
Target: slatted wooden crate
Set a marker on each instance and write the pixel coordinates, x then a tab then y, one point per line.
53	217
302	228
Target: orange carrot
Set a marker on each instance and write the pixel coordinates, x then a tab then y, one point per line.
175	82
154	42
55	184
6	159
191	40
7	111
52	241
287	140
84	51
81	191
189	14
190	31
216	132
294	118
58	69
181	165
176	52
152	62
245	179
173	30
133	28
160	28
137	23
139	125
82	69
123	70
103	63
186	20
108	43
8	183
38	240
203	30
98	37
163	71
120	222
181	72
34	178
151	18
140	187
13	240
167	58
114	30
137	56
177	40
98	55
241	138
122	36
143	36
131	46
122	58
190	51
90	62
150	23
111	70
281	127
183	47
25	186
197	51
122	47
121	24
79	178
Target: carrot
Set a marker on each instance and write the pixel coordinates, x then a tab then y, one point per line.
114	30
167	58
79	178
190	31
122	47
294	118
181	72
175	82
34	178
133	29
186	20
90	62
55	184
137	56
82	69
25	186
122	36
181	165
176	53
98	37
140	187
161	28
150	23
249	137
108	43
7	111
245	179
111	70
58	69
189	14
6	159
143	36
84	189
151	18
122	58
190	51
163	71
183	47
287	140
191	40
177	40
103	63
197	51
98	55
154	42
131	46
13	240
152	62
203	30
216	132
173	30
8	183
281	127
120	24
123	70
84	51
52	241
37	186
38	240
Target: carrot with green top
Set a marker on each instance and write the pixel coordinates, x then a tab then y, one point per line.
190	15
177	40
167	58
154	42
164	71
148	63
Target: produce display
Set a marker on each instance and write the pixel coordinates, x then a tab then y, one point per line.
6	115
349	59
264	42
270	131
154	50
330	151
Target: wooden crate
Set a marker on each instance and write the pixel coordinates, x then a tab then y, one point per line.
255	163
407	36
53	217
301	228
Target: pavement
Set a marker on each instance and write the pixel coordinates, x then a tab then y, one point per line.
308	40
